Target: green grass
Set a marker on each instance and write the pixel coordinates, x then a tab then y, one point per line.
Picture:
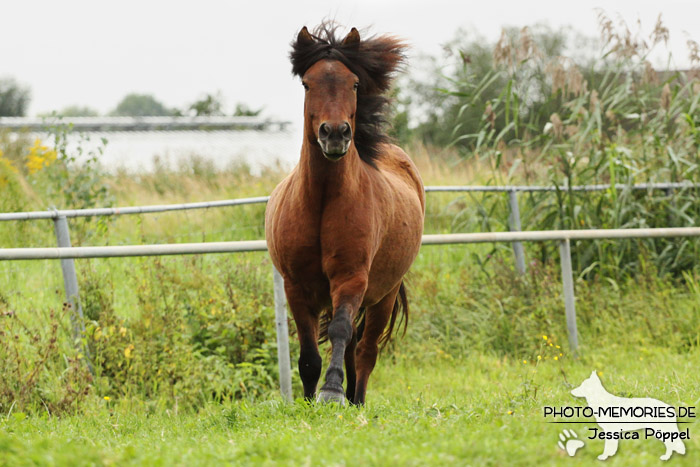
482	410
184	348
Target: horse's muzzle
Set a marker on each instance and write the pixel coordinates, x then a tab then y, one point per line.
334	140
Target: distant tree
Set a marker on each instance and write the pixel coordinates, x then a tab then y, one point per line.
141	105
78	111
14	98
242	110
210	104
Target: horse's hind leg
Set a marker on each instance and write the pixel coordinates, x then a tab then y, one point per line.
306	320
376	319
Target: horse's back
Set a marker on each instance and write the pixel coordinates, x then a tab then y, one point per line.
397	165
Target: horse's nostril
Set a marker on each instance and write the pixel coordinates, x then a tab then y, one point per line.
346	131
324	130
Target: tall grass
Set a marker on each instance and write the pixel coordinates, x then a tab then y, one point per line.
613	120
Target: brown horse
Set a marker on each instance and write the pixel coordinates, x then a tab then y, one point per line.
344	227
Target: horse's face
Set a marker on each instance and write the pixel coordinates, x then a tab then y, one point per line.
329	106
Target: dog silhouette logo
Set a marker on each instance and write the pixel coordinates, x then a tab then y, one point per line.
623	417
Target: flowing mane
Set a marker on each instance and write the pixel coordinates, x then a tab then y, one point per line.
374	61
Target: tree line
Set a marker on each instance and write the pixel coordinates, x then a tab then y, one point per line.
15	98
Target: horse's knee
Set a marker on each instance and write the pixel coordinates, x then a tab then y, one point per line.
340	327
310	364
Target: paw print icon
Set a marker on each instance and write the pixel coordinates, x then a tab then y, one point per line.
569	442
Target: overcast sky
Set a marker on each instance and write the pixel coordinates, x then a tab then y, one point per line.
88	52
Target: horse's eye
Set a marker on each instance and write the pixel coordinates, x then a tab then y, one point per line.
306	86
355	86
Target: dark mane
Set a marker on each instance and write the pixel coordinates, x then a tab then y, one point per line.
374	62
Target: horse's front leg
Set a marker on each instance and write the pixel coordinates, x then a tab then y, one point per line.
306	319
347	298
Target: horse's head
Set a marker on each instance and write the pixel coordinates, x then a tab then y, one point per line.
345	81
331	100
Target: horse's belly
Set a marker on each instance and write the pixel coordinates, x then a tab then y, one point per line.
394	257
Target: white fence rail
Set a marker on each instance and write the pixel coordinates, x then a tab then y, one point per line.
67	254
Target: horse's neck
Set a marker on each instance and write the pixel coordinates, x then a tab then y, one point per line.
323	179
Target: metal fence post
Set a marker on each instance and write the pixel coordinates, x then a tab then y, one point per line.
70	284
567	280
285	371
514	224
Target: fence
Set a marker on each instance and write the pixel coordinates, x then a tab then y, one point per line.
66	253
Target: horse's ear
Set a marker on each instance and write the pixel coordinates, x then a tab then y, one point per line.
352	39
304	37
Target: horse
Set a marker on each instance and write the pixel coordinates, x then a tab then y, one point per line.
346	224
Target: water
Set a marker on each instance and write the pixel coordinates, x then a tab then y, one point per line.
143	151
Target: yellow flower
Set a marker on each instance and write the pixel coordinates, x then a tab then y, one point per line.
106	398
510	412
539	357
128	350
7	163
39	157
525	362
544	337
556	358
340	416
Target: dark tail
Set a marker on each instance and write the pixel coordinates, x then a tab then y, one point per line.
400	308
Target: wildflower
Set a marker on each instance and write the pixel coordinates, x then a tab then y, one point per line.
525	362
107	398
544	337
556	358
340	416
539	357
510	412
39	157
7	163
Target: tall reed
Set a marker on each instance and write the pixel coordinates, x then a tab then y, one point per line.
613	120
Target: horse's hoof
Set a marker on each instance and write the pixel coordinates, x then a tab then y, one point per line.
326	396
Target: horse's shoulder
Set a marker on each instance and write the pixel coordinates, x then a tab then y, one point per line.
398	162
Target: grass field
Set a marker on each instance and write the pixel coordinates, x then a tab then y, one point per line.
186	362
477	410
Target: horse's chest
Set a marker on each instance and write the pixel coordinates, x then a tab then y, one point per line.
298	245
